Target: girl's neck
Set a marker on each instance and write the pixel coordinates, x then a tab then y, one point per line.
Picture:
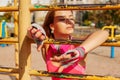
63	37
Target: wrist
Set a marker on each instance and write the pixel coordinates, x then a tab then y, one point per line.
81	50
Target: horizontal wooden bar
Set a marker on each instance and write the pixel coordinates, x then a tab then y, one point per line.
14	72
74	8
73	76
77	42
51	74
6	9
10	74
48	8
9	70
116	44
9	40
52	41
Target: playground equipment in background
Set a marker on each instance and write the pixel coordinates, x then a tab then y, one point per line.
113	36
3	31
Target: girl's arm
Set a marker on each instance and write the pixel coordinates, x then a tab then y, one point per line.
94	40
44	51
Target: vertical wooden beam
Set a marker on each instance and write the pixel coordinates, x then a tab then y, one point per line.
16	20
16	35
17	58
24	44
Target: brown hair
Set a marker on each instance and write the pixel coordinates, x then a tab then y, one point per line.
48	20
46	25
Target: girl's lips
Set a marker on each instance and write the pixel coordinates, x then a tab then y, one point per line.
70	27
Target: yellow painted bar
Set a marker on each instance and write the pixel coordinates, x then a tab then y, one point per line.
6	9
116	44
9	40
17	59
73	76
10	70
24	44
48	8
16	35
77	42
74	8
16	24
51	41
16	55
10	74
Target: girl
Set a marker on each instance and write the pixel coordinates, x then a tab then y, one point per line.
64	58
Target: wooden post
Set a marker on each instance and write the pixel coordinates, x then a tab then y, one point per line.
16	35
16	20
24	44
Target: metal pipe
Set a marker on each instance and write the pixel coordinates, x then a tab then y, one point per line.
68	75
8	69
52	41
24	44
9	40
49	8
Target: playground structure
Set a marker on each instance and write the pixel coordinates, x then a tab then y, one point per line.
3	29
113	37
112	33
68	7
23	44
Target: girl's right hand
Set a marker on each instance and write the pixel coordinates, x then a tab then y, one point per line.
37	33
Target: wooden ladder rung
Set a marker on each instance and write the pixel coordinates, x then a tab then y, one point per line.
9	40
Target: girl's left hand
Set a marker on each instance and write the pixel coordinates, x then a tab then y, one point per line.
61	58
70	57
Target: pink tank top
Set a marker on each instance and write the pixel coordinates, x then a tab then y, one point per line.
73	69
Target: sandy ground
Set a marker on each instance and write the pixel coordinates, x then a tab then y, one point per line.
98	62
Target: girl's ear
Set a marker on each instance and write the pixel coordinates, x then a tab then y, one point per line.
52	27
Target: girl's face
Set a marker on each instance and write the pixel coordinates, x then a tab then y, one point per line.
63	24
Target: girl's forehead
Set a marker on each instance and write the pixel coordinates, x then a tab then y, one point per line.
63	13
